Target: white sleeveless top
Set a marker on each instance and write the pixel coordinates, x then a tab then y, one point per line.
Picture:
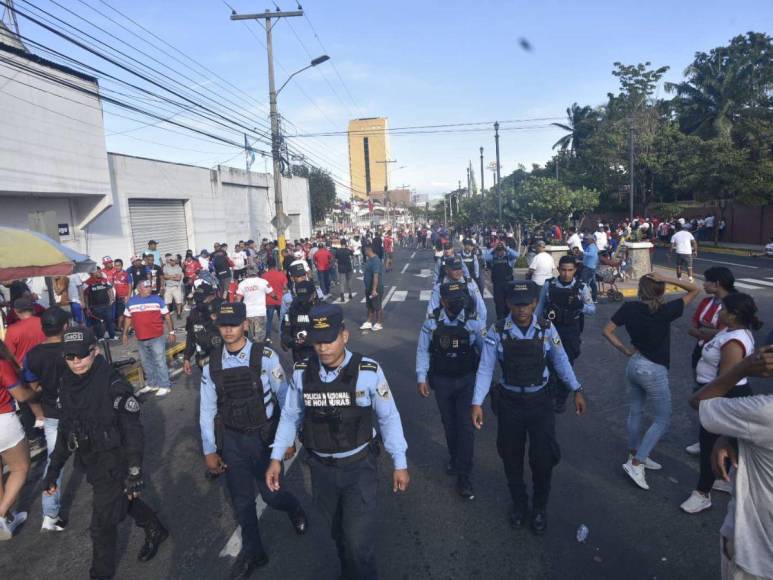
708	365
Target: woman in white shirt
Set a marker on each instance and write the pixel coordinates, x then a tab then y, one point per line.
542	265
738	318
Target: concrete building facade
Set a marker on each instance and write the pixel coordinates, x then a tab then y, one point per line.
57	177
368	151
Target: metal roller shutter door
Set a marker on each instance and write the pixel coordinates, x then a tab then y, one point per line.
162	220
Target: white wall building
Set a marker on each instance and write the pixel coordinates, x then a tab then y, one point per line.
57	177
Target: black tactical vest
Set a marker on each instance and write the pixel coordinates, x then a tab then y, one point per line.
469	261
333	422
451	350
207	338
500	269
523	359
565	304
241	398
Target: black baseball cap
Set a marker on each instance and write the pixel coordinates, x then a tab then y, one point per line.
453	263
297	269
78	342
326	322
451	290
522	292
231	314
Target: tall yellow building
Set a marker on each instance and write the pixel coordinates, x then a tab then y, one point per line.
368	151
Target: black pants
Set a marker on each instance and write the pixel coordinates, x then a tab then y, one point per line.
707	441
527	416
500	298
571	339
247	458
346	496
454	397
106	472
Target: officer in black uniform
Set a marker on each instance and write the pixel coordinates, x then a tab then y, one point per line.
469	257
202	335
100	421
296	322
522	345
565	301
446	360
333	398
242	390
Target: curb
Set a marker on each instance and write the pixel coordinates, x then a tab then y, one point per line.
171	352
723	250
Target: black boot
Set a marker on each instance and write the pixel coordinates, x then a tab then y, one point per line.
464	487
246	564
299	521
155	534
539	522
518	516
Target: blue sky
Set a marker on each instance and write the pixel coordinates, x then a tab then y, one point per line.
417	63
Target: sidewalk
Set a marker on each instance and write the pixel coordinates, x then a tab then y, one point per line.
732	248
629	288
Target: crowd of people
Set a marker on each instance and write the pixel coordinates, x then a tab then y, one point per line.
52	367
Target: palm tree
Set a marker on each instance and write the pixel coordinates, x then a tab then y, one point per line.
578	126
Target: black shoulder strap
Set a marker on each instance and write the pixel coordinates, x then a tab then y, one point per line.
216	360
352	370
499	325
256	358
436	313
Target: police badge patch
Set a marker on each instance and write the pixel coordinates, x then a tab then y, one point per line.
277	372
557	340
383	391
132	405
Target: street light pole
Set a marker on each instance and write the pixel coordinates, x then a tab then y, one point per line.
280	217
482	179
498	178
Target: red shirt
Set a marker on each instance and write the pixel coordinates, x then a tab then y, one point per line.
22	336
190	268
278	282
389	245
147	315
323	259
120	282
9	379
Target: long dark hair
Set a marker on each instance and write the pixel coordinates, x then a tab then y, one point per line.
721	276
651	292
743	308
5	354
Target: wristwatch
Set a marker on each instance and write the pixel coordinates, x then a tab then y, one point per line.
171	332
580	390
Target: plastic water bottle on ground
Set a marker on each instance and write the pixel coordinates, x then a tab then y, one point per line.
582	533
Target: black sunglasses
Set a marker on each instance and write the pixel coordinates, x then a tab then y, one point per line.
72	356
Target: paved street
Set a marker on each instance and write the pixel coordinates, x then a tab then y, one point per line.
429	532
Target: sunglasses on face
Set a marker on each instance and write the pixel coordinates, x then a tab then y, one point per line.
71	356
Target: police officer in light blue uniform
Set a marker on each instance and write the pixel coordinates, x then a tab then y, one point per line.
469	256
446	361
522	345
500	261
454	272
565	301
332	399
440	264
244	386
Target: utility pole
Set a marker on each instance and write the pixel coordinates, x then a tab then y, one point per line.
630	166
282	221
469	183
498	178
386	163
482	179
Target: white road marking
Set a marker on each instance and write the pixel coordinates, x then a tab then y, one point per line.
359	277
405	268
754	281
392	291
400	296
234	544
727	263
425	295
746	286
487	294
412	255
425	273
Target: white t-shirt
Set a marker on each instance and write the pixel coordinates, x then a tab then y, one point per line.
542	264
239	259
355	245
601	240
72	289
574	241
254	291
749	518
708	365
683	242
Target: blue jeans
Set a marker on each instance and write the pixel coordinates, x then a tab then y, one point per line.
270	311
106	316
324	281
153	358
648	380
589	277
51	503
77	312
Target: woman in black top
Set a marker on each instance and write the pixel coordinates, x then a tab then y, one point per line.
648	322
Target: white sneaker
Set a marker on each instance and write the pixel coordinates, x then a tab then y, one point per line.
7	527
636	473
697	502
723	486
649	463
147	389
691	279
377	326
694	449
366	325
56	524
39	423
163	391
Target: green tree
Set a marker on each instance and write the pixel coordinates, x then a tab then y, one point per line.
580	122
322	190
